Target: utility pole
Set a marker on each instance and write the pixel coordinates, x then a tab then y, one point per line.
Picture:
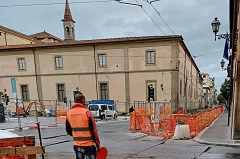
185	84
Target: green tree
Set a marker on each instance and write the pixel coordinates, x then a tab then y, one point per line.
223	90
220	98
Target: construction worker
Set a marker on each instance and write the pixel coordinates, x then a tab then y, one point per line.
80	124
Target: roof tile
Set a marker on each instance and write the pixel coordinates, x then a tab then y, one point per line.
67	14
43	35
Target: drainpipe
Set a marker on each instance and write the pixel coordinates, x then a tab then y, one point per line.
35	67
185	85
95	70
5	35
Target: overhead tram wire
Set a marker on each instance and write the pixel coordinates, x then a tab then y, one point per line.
195	56
104	1
158	27
150	2
119	1
46	4
122	2
161	29
159	14
150	17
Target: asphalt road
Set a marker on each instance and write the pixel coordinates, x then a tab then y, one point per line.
123	144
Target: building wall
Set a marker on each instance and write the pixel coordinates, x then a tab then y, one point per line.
24	80
9	63
127	73
212	92
48	40
189	86
182	67
75	60
236	101
10	39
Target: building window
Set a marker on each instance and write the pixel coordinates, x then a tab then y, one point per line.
72	30
61	92
24	91
68	31
21	64
150	55
151	84
103	90
102	60
0	33
58	62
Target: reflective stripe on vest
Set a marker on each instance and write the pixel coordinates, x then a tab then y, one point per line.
82	138
80	127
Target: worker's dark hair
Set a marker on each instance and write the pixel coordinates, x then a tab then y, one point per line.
80	98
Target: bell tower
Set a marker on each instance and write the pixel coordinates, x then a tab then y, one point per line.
68	24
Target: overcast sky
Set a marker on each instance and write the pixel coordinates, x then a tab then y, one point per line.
110	19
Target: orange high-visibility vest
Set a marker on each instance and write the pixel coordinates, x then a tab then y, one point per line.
78	120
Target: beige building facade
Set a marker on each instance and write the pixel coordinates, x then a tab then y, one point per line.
210	91
48	68
119	69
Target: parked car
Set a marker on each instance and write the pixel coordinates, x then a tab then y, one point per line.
103	111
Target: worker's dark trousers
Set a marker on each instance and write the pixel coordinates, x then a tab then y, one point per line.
82	151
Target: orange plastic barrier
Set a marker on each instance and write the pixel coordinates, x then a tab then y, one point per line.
167	110
132	122
181	111
61	113
163	125
198	121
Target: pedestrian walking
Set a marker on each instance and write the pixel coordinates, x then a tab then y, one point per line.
80	124
131	109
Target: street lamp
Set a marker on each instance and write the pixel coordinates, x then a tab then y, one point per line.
215	27
222	63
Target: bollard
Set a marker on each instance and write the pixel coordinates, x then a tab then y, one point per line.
40	137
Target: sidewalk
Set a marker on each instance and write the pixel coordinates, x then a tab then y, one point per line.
218	133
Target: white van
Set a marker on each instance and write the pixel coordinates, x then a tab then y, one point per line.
103	111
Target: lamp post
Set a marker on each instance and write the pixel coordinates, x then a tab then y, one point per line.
215	27
222	63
